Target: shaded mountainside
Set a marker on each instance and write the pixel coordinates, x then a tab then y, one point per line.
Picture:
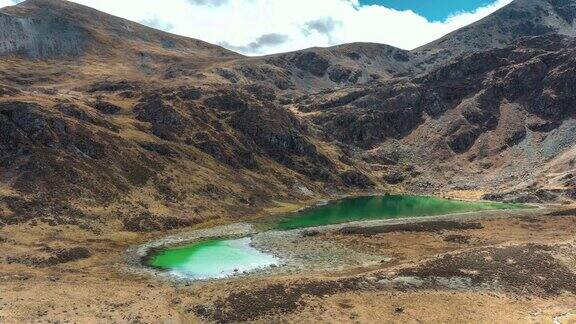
105	123
167	148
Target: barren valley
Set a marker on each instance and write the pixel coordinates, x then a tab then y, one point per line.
114	135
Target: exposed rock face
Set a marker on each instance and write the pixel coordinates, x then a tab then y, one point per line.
227	100
166	121
40	38
311	62
536	72
280	136
356	179
312	69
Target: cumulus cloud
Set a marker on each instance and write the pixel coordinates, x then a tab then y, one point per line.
208	2
242	24
324	26
257	46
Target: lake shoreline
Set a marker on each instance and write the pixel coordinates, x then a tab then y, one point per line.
294	261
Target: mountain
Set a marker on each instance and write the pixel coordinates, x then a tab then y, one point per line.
74	42
518	19
111	113
48	29
107	124
488	119
320	68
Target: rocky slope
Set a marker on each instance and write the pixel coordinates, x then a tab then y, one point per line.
105	123
519	19
59	29
489	118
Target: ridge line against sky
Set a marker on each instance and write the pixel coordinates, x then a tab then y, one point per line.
259	27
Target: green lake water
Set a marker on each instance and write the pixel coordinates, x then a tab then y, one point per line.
222	258
212	259
383	207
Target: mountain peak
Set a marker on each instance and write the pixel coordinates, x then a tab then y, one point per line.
49	29
518	19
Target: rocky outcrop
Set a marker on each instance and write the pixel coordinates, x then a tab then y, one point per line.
521	18
356	179
166	121
46	37
227	100
536	73
105	107
278	135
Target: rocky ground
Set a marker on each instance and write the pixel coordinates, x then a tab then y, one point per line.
513	265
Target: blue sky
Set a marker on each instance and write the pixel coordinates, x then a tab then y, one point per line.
259	27
433	10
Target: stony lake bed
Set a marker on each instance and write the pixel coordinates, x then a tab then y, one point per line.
274	245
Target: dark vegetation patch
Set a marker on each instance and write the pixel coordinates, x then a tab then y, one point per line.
113	86
276	299
566	212
147	222
310	233
456	238
105	107
433	226
519	269
50	212
52	257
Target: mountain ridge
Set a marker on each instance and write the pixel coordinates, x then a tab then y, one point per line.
165	55
44	21
154	132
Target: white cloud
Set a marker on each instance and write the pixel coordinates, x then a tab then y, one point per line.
4	3
242	24
155	22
